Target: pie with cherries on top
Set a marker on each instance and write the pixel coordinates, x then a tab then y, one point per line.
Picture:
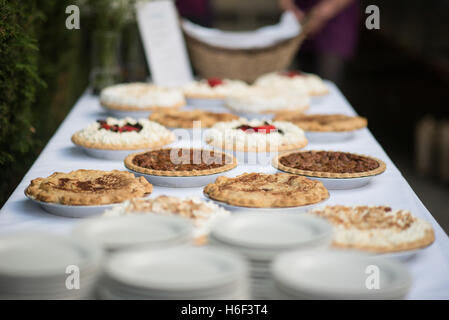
260	190
88	187
324	122
212	88
180	162
377	229
184	119
329	164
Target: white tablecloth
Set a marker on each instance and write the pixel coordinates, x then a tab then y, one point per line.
429	269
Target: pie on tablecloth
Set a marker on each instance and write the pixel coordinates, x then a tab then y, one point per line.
260	190
256	136
212	88
123	134
180	162
88	187
185	118
324	122
139	96
329	164
377	229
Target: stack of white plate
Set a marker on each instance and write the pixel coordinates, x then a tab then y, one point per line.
263	236
338	275
175	273
125	232
42	266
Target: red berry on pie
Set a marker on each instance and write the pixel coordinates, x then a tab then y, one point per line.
214	82
291	74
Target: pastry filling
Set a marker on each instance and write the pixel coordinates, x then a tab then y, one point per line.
213	82
181	160
327	161
128	127
103	183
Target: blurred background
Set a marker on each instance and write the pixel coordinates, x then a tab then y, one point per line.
397	76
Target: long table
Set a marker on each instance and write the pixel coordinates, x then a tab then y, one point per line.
429	268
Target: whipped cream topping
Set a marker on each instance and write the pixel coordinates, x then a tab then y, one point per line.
198	89
267	99
151	132
308	82
203	213
141	95
226	135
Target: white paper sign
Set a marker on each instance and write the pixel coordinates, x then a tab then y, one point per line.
163	43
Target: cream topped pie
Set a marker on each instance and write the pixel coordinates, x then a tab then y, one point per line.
139	96
212	88
267	100
180	162
324	122
123	134
260	190
377	229
256	136
329	164
294	80
88	187
185	118
202	213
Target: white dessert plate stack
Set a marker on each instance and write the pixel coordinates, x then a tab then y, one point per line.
47	267
262	237
134	230
338	275
174	274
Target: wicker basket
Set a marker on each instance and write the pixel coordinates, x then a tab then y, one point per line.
243	64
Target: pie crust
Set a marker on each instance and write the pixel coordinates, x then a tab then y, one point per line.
217	162
88	187
323	122
184	119
259	190
357	160
377	229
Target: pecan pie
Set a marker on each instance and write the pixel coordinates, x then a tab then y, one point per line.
324	122
185	119
180	162
377	229
329	164
88	187
260	190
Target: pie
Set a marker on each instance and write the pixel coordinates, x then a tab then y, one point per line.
139	96
294	80
212	88
324	122
180	162
259	190
329	164
123	134
255	100
88	187
185	119
377	229
256	136
202	213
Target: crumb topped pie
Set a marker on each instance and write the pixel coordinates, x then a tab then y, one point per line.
376	228
329	164
88	187
184	119
260	190
324	122
256	136
123	134
180	162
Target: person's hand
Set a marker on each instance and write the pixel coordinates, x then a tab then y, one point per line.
289	5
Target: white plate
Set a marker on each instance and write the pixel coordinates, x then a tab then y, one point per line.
343	183
324	137
128	113
114	233
172	270
69	211
109	154
338	275
299	209
180	182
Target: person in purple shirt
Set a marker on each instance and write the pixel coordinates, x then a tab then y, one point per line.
332	28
